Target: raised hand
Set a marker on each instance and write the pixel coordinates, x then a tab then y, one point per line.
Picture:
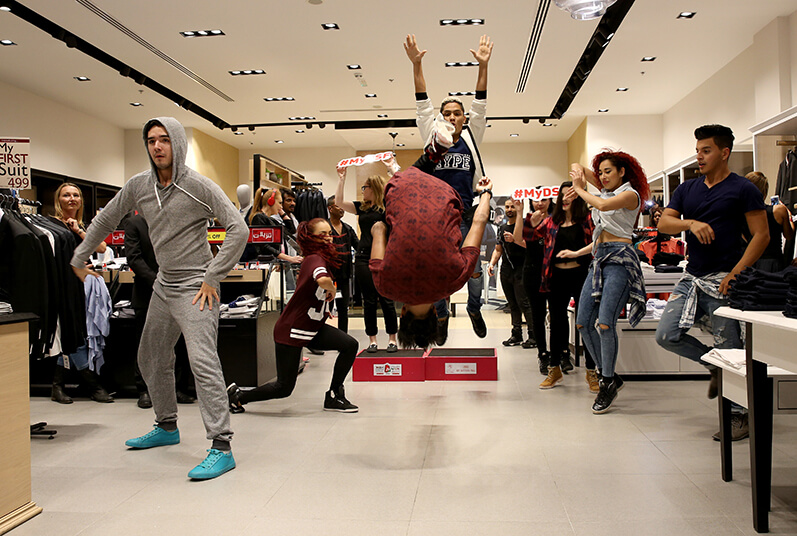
413	52
342	173
483	53
578	177
484	184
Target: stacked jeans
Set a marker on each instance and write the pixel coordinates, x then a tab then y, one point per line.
757	290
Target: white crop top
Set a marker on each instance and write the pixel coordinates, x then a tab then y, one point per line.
619	222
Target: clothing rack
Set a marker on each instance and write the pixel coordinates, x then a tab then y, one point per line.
786	143
301	185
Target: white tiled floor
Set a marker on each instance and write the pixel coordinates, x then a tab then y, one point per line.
435	458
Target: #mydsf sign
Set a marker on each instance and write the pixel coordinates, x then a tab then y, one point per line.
535	194
15	163
367	159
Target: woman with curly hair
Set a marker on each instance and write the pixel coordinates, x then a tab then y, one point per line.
615	274
303	323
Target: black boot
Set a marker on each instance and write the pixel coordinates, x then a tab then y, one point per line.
59	395
606	396
516	339
544	359
567	364
92	383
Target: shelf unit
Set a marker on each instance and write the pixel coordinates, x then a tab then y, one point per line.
767	154
268	173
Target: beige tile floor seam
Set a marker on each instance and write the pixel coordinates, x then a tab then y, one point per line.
438	458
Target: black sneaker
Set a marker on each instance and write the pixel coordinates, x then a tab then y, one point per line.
567	364
514	340
606	396
234	398
479	327
392	348
544	359
618	382
529	343
336	401
442	331
740	427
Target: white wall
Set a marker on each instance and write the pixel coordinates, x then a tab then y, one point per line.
516	165
637	135
63	140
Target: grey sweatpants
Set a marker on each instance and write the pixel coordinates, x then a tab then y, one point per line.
170	313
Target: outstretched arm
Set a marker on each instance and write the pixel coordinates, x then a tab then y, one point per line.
416	55
348	206
482	55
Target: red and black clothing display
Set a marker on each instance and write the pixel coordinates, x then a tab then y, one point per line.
423	262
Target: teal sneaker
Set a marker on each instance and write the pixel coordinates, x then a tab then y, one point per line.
215	464
158	437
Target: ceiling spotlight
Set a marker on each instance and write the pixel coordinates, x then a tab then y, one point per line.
300	131
514	135
321	125
136	104
78	78
238	133
381	115
5	8
393	134
7	42
584	9
462	64
278	141
622	89
370	95
308	126
547	124
649	58
460	93
353	67
307	118
330	26
399	145
686	14
603	110
525	120
234	129
461	22
202	33
251	129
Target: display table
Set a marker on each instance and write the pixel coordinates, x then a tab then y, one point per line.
770	339
16	505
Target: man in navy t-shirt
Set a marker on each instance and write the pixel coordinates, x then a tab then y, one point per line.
461	166
715	208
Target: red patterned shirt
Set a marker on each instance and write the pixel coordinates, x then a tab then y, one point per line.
423	261
307	309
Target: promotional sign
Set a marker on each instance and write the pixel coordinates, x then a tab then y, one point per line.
15	163
367	159
216	235
116	238
535	194
386	369
461	368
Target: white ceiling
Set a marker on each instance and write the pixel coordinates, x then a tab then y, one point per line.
285	38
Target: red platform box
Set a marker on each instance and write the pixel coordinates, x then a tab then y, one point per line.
465	364
381	366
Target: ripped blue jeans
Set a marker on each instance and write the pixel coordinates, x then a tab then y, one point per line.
727	332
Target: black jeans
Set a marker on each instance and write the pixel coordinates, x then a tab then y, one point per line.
565	284
512	283
370	299
532	276
289	357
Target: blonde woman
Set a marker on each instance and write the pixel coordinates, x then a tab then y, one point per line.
266	212
370	210
69	211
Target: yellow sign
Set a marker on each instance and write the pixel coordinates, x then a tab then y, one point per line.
216	236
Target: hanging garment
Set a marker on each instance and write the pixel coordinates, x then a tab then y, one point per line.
787	178
98	313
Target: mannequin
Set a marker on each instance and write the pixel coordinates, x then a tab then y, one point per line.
244	192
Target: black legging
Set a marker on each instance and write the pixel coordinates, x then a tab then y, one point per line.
289	357
532	276
342	304
370	298
565	284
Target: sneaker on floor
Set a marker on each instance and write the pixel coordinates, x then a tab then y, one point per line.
336	401
234	399
740	427
529	343
592	381
442	331
158	437
606	396
479	327
372	348
713	384
514	340
216	463
543	360
554	376
144	401
392	348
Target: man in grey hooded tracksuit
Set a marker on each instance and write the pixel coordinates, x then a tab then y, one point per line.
177	202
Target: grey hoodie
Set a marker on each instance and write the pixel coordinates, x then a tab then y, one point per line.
177	216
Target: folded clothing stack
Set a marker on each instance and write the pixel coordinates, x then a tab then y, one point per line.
242	306
5	308
757	290
654	309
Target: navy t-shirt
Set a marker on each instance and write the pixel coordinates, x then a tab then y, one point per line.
723	207
456	169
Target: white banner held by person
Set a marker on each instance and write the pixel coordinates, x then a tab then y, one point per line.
536	194
367	159
15	163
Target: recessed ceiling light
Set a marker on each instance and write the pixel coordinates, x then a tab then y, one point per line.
686	14
370	95
82	78
136	104
488	125
381	115
353	66
238	133
603	110
330	26
547	124
462	64
461	22
399	145
514	135
278	141
622	89
393	134
300	131
649	58
306	118
202	33
460	93
278	99
5	8
247	72
7	42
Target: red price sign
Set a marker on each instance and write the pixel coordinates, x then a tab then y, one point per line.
116	238
265	235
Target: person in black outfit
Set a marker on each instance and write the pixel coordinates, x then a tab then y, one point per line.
345	239
780	224
512	264
141	259
370	211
